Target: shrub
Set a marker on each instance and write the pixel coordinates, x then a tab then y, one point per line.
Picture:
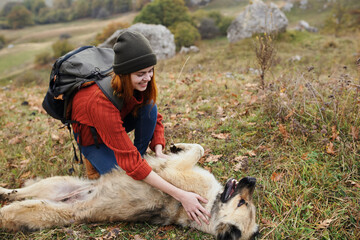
165	12
61	47
2	41
224	24
28	78
339	18
208	29
265	53
211	23
43	59
185	34
109	30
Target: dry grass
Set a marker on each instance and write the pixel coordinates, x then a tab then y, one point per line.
299	136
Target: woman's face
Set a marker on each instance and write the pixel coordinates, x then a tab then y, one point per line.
141	78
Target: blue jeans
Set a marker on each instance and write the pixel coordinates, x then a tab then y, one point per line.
103	158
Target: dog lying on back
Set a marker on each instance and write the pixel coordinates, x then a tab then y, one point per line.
64	200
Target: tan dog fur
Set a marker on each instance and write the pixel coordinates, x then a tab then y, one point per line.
60	201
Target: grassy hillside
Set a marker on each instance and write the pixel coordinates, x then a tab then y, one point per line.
299	136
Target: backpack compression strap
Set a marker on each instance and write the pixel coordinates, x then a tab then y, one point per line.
105	86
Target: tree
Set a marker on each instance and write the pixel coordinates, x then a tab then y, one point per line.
165	12
81	9
8	7
20	17
62	4
34	5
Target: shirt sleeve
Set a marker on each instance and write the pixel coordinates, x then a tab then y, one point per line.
158	137
107	121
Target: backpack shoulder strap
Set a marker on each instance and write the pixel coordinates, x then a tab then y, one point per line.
105	86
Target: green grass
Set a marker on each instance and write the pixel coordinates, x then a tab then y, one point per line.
299	137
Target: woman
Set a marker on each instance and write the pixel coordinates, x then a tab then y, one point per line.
134	81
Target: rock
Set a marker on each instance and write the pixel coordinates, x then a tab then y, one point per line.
257	17
198	2
160	38
303	4
287	7
186	50
303	25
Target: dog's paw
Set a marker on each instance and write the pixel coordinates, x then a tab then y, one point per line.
5	194
175	148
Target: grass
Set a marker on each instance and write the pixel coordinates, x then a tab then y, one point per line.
299	137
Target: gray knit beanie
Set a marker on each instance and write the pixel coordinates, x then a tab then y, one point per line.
132	53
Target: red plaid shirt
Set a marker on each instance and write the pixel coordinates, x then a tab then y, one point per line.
92	108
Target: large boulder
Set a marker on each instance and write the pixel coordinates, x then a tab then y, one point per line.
197	2
160	38
257	17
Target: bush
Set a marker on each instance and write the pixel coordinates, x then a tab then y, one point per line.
2	41
109	30
28	78
165	12
61	47
185	34
224	24
211	24
208	29
43	59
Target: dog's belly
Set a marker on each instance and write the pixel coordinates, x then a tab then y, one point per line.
124	199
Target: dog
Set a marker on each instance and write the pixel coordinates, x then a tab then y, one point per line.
64	200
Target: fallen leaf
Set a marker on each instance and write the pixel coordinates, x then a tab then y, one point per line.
241	158
253	99
330	148
221	135
289	115
220	111
251	153
354	132
25	175
55	137
275	177
28	149
354	184
24	163
335	135
15	140
137	237
213	158
304	156
283	131
324	224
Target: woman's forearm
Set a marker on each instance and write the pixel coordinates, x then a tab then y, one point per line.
158	182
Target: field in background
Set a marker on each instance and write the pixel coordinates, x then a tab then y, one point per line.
299	137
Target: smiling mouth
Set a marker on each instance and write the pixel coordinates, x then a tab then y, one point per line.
234	187
230	188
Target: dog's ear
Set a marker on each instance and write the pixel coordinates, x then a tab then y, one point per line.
227	232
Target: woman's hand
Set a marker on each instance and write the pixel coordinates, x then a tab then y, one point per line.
159	153
193	208
189	200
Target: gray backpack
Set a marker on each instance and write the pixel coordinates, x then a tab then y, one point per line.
69	73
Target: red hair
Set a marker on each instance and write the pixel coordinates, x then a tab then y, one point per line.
123	88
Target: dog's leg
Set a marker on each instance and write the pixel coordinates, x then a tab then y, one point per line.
53	188
189	157
35	214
